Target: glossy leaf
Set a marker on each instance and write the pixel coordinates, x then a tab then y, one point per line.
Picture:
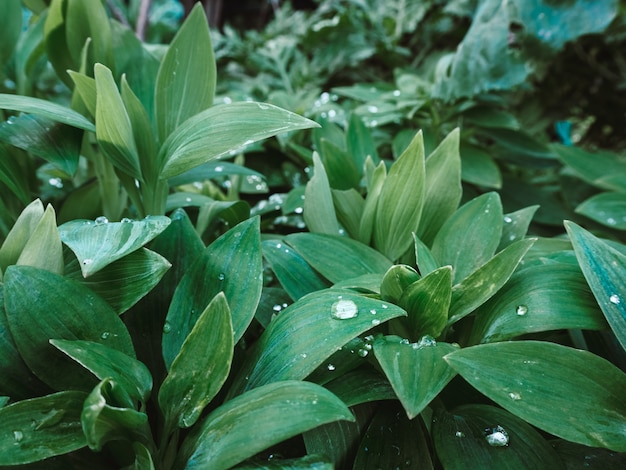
516	225
87	20
360	386
319	211
231	264
200	368
10	26
360	142
591	167
416	371
349	209
41	306
426	263
45	108
607	208
340	166
98	244
221	129
604	270
375	181
308	462
86	88
338	258
401	200
478	167
537	380
211	170
39	428
308	405
43	249
396	280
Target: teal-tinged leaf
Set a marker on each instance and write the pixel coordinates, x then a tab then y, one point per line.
298	340
366	283
340	166
442	192
221	129
185	84
103	422
338	258
461	440
607	208
200	368
349	209
105	362
308	405
537	382
579	456
360	142
396	280
114	129
591	167
43	249
483	283
426	302
231	264
470	237
401	201
487	116
211	170
478	167
86	88
360	386
375	180
539	298
41	306
604	269
125	281
39	428
319	211
416	371
3	401
516	225
12	176
426	263
55	41
296	276
47	109
519	145
308	462
10	27
98	244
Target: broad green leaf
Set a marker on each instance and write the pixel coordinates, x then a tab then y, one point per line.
416	371
21	232
185	84
442	192
426	263
12	176
293	272
263	409
55	41
540	382
10	28
337	258
607	208
340	166
319	211
308	462
426	302
3	401
298	340
39	428
518	145
43	249
86	88
41	306
98	243
401	201
103	422
211	170
113	126
591	167
478	167
349	358
375	182
361	386
125	281
470	237
231	264
349	210
462	436
200	368
483	283
604	269
396	280
487	116
364	283
539	298
221	129
87	20
105	362
579	456
47	109
516	225
360	142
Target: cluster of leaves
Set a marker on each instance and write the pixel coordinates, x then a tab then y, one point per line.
356	296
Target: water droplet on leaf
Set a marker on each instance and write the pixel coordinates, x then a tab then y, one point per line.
515	396
18	436
167	328
105	335
87	261
497	437
344	309
521	310
614	299
459	434
221	276
126	220
330	367
102	220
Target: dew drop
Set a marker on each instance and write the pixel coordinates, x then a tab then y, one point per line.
396	92
101	220
187	199
362	352
521	310
425	341
515	396
459	434
497	437
56	182
332	113
299	210
277	308
507	219
614	299
11	119
373	311
18	436
87	261
611	221
373	123
372	109
219	169
221	276
330	367
344	310
167	328
105	335
375	322
126	220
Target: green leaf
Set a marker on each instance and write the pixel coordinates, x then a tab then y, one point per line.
231	264
416	371
113	125
442	192
47	109
470	237
11	174
337	258
539	298
211	170
41	306
401	201
100	243
487	116
87	20
308	462
461	440
263	409
221	129
200	368
360	386
55	41
539	382
516	225
340	166
519	145
43	249
488	279
143	458
105	362
478	167
39	428
396	280
185	84
319	211
349	210
604	269
375	181
10	28
360	142
591	167
298	340
86	88
426	263
607	208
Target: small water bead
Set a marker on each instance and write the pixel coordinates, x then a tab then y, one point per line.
375	322
56	182
362	352
396	93
299	210
330	367
373	311
521	310
18	436
515	396
614	299
459	434
87	261
221	276
105	335
187	199
372	109
344	310
277	308
425	341
101	220
332	113
497	437
126	220
507	219
167	328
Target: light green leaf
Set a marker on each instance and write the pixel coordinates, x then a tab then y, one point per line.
539	381
591	167
98	244
340	166
55	41
21	232
360	142
200	368
516	225
607	208
10	28
39	428
319	211
396	280
263	409
478	167
87	20
426	263
349	210
43	249
604	269
86	88
375	180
